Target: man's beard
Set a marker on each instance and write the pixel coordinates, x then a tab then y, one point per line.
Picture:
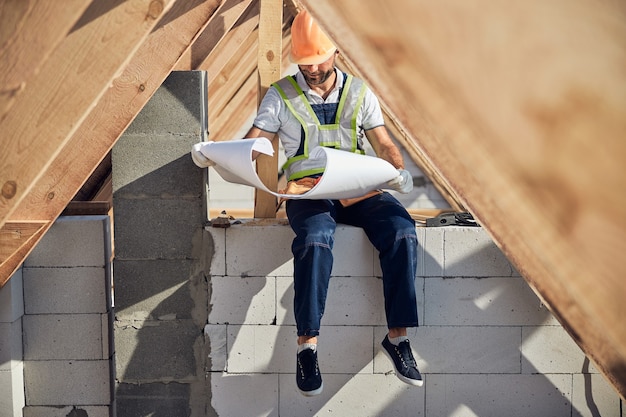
318	77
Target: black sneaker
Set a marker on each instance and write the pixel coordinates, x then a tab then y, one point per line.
403	361
308	375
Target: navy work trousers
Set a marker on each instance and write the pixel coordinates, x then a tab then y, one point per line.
390	229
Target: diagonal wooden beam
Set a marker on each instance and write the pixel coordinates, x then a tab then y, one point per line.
28	36
221	24
14	235
410	145
232	103
42	119
528	129
231	44
18	254
113	113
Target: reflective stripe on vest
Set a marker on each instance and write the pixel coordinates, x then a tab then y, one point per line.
342	134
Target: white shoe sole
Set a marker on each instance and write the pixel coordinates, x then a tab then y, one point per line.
312	393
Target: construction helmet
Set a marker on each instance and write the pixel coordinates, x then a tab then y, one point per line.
309	45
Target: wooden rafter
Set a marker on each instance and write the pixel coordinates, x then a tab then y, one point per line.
410	144
23	51
109	117
43	118
528	130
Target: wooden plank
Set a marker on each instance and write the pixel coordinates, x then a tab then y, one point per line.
228	81
221	23
231	45
409	144
14	235
86	208
227	121
29	31
80	70
270	66
114	112
522	112
9	265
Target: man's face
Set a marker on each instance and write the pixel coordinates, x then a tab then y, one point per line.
317	74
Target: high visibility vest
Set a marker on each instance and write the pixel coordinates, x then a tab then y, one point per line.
340	133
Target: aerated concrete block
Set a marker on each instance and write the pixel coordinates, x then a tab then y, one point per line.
65	290
459	350
594	396
498	395
12	298
12	398
63	336
153	288
354	395
50	383
156	350
354	255
177	107
72	241
261	395
271	349
154	399
242	250
252	300
156	228
431	258
549	349
10	345
70	411
470	252
483	302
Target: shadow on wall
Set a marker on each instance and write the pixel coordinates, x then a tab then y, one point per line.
484	305
161	293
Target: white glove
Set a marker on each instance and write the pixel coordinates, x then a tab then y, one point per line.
403	183
198	157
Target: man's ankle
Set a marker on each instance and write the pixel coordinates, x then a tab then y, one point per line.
397	331
307	339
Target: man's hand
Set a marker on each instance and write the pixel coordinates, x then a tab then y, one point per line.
403	183
198	157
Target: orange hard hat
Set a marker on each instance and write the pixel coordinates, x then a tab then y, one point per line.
309	45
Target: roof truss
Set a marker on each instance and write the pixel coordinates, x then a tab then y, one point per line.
513	111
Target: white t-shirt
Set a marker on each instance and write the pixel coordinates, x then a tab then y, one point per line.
273	116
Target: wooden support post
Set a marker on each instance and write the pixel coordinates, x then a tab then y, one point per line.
270	56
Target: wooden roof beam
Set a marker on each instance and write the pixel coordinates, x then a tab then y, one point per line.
522	113
31	30
109	117
42	119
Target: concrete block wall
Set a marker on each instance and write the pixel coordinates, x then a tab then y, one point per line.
486	344
160	286
67	355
